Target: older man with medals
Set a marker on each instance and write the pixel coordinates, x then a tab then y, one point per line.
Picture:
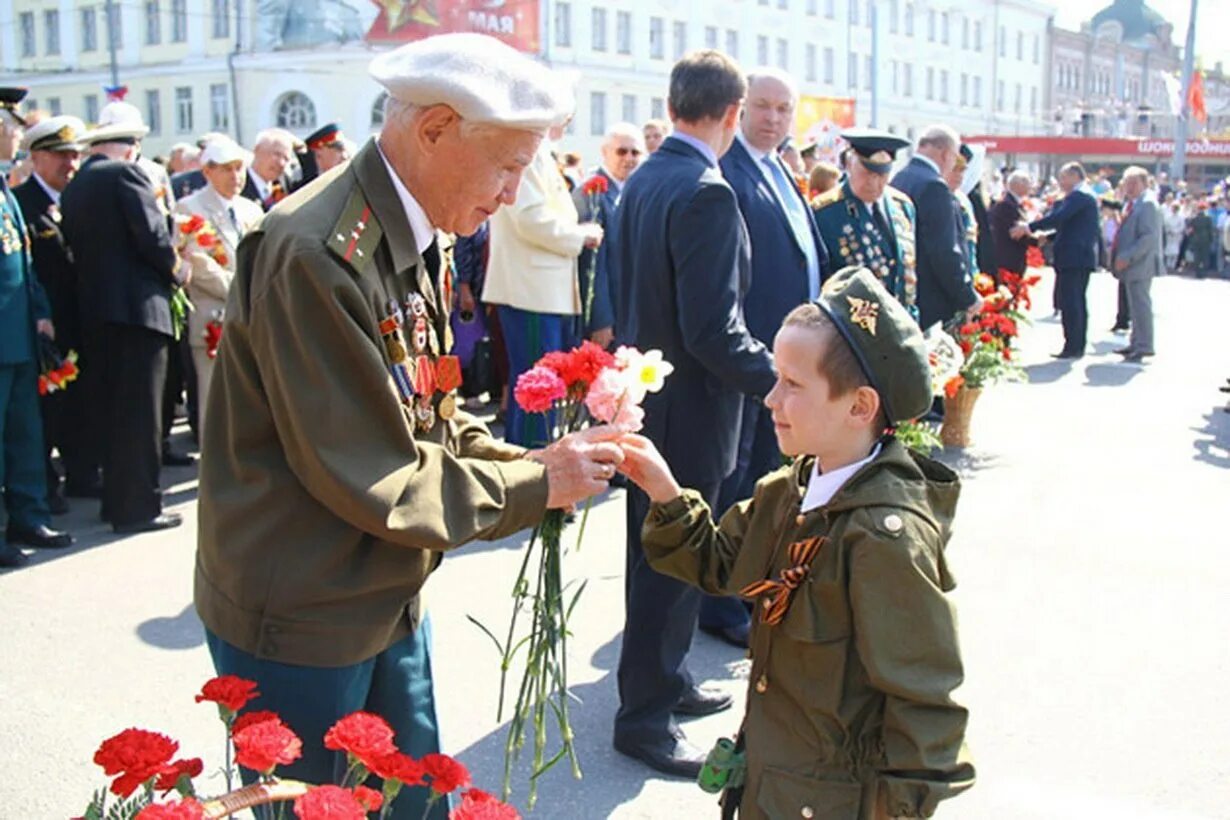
865	221
336	469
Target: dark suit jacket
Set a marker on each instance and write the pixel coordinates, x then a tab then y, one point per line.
941	268
681	261
986	238
249	189
52	262
121	245
779	268
602	310
1009	252
187	182
1078	231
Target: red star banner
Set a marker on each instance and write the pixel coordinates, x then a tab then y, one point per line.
516	22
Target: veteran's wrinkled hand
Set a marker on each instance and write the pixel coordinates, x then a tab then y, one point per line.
579	465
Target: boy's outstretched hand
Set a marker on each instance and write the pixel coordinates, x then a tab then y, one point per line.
644	465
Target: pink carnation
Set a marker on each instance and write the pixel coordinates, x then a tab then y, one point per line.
610	400
538	389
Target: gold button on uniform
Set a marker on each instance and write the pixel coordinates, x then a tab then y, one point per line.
799	519
807	811
762	684
893	523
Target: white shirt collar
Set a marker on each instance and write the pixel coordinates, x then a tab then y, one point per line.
420	225
823	486
928	161
755	152
47	189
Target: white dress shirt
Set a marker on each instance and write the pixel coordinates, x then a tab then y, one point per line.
420	225
52	193
823	486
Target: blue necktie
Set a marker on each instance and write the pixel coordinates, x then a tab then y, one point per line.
799	223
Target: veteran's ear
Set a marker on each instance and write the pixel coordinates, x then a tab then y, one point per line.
434	123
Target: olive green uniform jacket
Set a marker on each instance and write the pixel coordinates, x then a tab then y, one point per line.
850	693
322	508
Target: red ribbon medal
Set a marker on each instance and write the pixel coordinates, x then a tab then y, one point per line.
448	373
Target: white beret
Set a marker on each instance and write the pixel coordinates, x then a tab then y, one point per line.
479	77
223	151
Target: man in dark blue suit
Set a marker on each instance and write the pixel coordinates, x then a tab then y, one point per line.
789	261
1075	220
622	149
681	262
944	286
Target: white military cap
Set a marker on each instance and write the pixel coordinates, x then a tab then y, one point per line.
118	121
61	133
479	77
222	151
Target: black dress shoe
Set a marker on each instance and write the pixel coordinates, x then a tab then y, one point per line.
42	536
1225	388
172	459
1066	354
1124	351
162	522
733	635
12	557
1134	358
669	755
697	702
1120	329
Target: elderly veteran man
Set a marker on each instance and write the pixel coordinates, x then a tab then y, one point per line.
867	222
336	468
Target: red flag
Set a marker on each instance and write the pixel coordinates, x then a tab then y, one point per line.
1195	97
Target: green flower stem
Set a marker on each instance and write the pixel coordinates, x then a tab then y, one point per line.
431	802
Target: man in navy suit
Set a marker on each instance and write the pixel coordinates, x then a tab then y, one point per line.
945	288
622	149
1075	220
681	262
789	261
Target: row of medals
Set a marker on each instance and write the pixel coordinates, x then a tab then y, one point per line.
419	377
11	240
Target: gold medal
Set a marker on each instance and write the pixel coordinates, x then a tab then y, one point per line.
448	407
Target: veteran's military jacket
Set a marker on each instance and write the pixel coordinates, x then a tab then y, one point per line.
336	469
852	238
850	700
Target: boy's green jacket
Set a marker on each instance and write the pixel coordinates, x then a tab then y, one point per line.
850	697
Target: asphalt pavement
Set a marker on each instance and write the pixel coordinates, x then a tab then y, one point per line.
1090	549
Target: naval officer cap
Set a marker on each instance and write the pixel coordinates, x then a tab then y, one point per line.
875	149
61	133
10	99
479	77
885	339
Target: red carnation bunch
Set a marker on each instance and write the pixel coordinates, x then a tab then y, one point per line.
136	755
1034	257
230	692
538	389
186	809
476	804
595	185
265	745
192	224
329	803
579	367
364	738
446	773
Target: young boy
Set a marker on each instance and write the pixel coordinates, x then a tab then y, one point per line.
854	647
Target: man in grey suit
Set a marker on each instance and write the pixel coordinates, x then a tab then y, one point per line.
1137	258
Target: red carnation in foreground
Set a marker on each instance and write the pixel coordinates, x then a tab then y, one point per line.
186	809
228	691
329	803
446	773
595	185
136	755
370	799
193	224
170	775
249	718
264	746
476	804
363	735
400	767
538	389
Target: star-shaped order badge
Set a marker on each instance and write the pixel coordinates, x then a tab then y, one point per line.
864	314
398	13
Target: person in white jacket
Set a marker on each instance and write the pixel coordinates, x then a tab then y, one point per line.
220	217
532	277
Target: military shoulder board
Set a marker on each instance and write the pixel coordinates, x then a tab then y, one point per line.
357	233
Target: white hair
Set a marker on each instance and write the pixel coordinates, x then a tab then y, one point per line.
1135	171
275	136
1020	176
940	136
624	129
400	113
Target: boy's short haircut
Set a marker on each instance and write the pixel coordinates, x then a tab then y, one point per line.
835	360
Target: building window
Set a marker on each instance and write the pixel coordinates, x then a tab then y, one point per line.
679	38
377	116
999	95
89	31
711	37
153	111
1020	45
783	53
811	7
115	29
91	108
762	50
944	28
732	42
30	103
1033	100
657	46
1017	99
868	73
830	9
829	64
657	108
977	91
810	59
597	39
53	106
1003	42
854	12
183	110
931	25
762	2
907	79
909	19
295	112
628	108
51	22
26	20
852	71
944	85
597	113
222	19
219	107
179	21
563	25
1037	49
781	4
893	68
930	83
153	23
623	32
964	89
965	33
978	35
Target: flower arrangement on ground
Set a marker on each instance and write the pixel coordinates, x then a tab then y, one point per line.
574	389
146	774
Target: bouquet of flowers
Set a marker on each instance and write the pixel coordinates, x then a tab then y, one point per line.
584	385
213	334
987	339
142	764
56	372
196	229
